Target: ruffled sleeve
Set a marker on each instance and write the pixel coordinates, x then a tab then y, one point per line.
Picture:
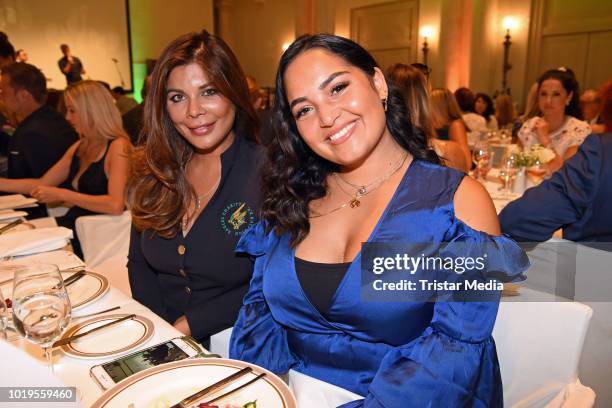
257	337
453	363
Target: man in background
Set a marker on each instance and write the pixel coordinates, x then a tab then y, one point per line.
590	105
133	119
70	66
21	56
43	135
124	102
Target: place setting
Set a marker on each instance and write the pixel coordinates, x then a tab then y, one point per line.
200	382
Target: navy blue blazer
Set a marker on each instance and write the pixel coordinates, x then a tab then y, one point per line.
576	198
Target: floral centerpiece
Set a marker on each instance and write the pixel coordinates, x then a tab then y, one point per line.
537	155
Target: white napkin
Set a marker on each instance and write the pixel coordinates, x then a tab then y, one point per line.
9	216
64	260
16	201
312	392
34	241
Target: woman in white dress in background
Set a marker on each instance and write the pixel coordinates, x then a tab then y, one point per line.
557	125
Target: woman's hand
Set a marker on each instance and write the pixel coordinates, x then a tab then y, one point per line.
542	129
47	194
182	325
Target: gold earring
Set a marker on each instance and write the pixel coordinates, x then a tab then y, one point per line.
384	103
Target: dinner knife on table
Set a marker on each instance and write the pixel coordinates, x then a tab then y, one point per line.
186	402
70	339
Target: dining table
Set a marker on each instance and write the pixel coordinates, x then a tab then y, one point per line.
74	371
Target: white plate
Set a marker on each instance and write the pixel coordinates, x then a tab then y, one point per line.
86	290
167	384
8	216
112	341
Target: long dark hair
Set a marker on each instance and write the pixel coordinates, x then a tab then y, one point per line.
489	110
570	83
159	188
295	175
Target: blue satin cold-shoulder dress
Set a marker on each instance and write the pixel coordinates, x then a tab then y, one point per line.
395	354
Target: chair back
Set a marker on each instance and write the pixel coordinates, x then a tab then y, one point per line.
539	346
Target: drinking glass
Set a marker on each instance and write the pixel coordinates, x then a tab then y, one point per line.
41	307
537	172
481	156
3	317
507	173
504	136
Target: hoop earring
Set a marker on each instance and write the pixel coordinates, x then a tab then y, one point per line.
384	103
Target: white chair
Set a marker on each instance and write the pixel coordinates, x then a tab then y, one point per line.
539	346
219	342
105	241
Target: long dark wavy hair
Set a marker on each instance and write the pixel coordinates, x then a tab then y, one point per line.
489	110
294	174
570	83
159	191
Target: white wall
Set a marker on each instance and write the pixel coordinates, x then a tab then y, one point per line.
95	31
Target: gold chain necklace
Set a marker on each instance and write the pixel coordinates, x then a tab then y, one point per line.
198	204
362	190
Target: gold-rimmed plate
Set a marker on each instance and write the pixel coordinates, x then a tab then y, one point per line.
108	342
167	384
83	292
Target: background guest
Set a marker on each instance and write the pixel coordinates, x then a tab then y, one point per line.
124	102
413	85
133	119
7	52
43	136
483	105
21	56
447	120
531	110
576	198
96	167
505	113
558	127
194	190
475	123
71	66
590	106
263	111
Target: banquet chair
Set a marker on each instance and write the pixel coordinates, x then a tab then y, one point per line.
105	241
539	346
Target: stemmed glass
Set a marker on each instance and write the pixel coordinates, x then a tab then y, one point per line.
507	173
3	317
481	156
41	307
537	172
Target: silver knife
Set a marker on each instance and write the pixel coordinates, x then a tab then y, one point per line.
10	225
70	339
185	402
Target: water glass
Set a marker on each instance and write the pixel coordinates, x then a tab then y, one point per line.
507	173
41	307
481	156
3	317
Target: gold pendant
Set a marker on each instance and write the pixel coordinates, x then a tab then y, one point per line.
355	203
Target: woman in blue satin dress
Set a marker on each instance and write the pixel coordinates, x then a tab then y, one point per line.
346	167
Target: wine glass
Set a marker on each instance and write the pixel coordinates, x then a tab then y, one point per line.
481	156
3	317
537	172
507	173
41	307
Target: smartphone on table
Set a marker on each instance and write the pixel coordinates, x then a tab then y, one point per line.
109	374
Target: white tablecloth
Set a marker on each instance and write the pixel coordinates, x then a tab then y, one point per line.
75	372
